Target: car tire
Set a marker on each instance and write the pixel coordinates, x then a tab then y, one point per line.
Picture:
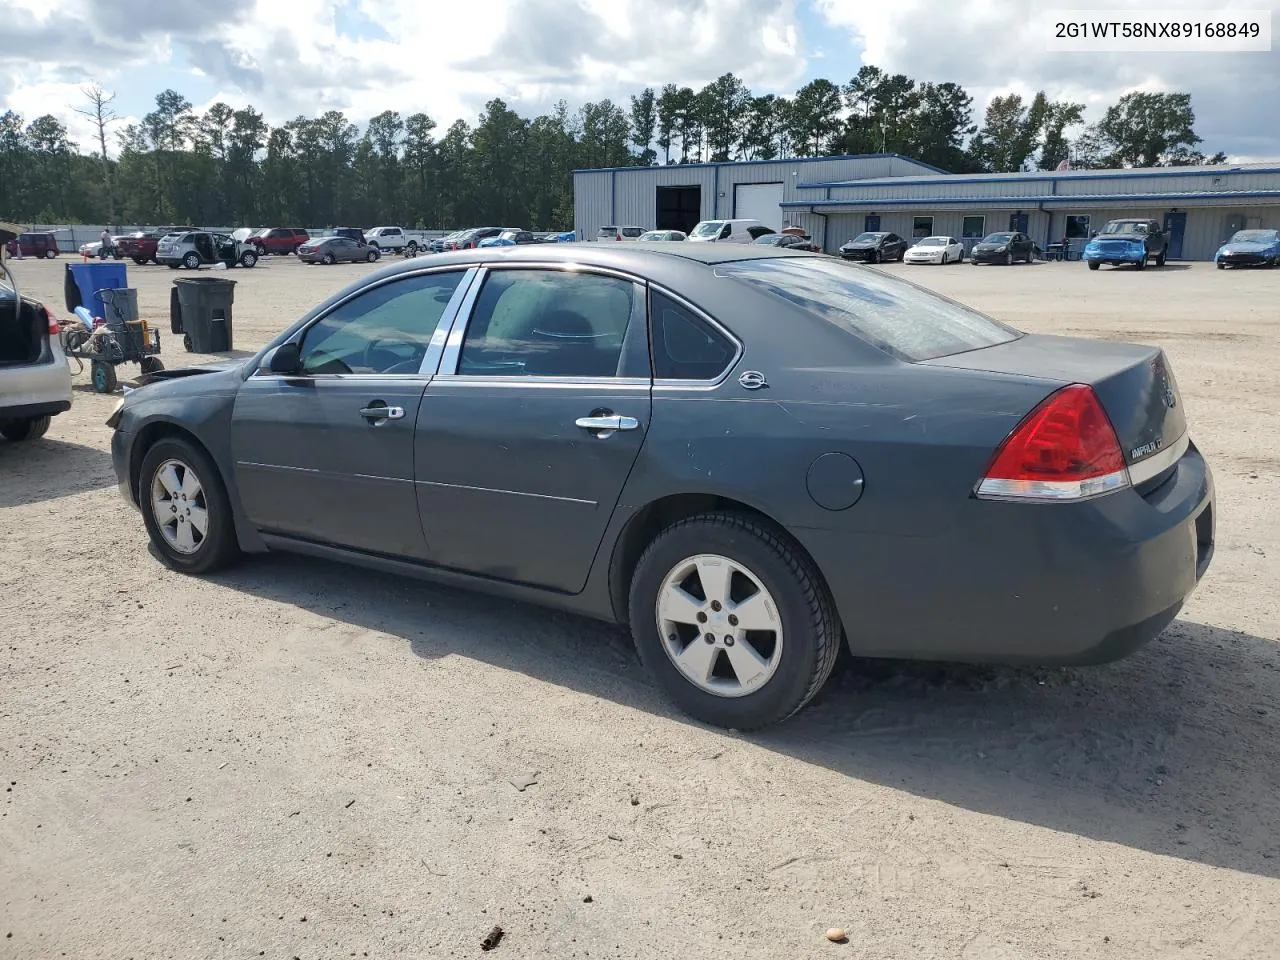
1094	266
26	428
1141	264
193	485
412	247
50	254
1222	266
174	266
140	261
805	643
873	257
191	261
1160	260
327	259
373	256
151	365
103	376
248	259
1008	259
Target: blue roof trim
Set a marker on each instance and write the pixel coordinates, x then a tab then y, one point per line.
1056	198
1043	176
749	163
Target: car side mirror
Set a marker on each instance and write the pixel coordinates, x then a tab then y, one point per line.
285	359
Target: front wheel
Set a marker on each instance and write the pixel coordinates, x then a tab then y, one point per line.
140	261
28	428
1222	266
1008	259
1160	259
1094	266
732	621
185	507
248	259
1141	264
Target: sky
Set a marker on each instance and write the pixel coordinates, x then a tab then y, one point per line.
291	57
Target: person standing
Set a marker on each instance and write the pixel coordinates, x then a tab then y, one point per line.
105	250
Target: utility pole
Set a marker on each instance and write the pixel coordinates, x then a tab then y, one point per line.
100	112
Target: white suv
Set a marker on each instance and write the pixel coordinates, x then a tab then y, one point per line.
618	233
35	381
728	231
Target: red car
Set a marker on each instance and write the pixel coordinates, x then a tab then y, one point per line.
279	240
140	246
34	245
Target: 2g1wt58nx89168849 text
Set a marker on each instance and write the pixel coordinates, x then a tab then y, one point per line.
1092	31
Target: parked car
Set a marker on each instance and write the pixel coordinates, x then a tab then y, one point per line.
470	239
280	241
40	245
1249	248
196	247
1062	489
441	244
662	236
140	247
728	231
875	246
35	381
352	233
93	249
788	241
1135	242
509	238
935	250
1004	247
608	234
331	250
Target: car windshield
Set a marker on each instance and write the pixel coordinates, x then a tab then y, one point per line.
1125	226
708	228
1255	236
898	317
868	237
931	242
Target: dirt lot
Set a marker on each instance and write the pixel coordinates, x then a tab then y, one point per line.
301	760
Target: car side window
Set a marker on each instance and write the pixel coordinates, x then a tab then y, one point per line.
383	330
685	347
547	323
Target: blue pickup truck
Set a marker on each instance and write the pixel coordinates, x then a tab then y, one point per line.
1136	242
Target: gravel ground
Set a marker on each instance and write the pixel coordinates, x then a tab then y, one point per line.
300	760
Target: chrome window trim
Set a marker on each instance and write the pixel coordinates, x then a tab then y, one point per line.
1157	463
429	360
672	384
448	368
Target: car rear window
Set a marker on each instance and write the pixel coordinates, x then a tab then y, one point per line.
894	315
631	231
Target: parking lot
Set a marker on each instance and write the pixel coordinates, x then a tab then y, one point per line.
299	760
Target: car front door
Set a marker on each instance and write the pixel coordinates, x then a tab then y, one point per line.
529	431
326	454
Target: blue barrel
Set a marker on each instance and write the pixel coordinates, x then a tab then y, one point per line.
89	278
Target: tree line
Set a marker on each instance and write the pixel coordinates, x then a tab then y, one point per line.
226	166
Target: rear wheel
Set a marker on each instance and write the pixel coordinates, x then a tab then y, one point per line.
1094	266
373	256
732	621
191	261
327	259
27	428
140	260
50	254
185	507
103	376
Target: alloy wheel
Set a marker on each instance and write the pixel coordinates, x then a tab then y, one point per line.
179	506
720	626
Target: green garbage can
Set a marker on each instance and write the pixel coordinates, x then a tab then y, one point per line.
205	313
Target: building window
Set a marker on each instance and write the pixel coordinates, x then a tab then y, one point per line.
921	227
1077	227
974	228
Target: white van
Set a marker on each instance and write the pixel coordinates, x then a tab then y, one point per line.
618	233
729	231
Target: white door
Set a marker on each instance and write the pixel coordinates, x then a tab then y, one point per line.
759	201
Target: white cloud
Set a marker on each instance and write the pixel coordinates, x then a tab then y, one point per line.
993	47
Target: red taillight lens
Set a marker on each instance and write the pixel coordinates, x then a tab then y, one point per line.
55	328
1064	449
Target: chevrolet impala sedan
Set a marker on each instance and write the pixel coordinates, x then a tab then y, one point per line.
750	455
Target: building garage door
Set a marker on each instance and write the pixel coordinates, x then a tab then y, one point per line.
759	201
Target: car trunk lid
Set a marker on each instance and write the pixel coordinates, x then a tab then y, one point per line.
1133	382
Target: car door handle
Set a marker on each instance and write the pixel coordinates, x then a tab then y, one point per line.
610	423
380	411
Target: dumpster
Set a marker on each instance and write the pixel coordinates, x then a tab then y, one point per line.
84	280
204	313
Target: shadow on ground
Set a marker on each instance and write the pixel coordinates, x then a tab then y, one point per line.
34	471
1175	750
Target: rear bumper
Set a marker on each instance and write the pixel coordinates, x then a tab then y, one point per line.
1041	583
22	411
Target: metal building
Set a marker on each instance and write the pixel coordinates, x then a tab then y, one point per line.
1200	206
676	197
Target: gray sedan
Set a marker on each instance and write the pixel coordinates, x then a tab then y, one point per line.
330	250
749	455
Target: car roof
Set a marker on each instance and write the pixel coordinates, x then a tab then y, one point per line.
635	256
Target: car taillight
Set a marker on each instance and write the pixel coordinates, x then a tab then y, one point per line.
55	328
1064	449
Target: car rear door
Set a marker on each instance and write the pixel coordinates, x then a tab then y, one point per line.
529	431
327	455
